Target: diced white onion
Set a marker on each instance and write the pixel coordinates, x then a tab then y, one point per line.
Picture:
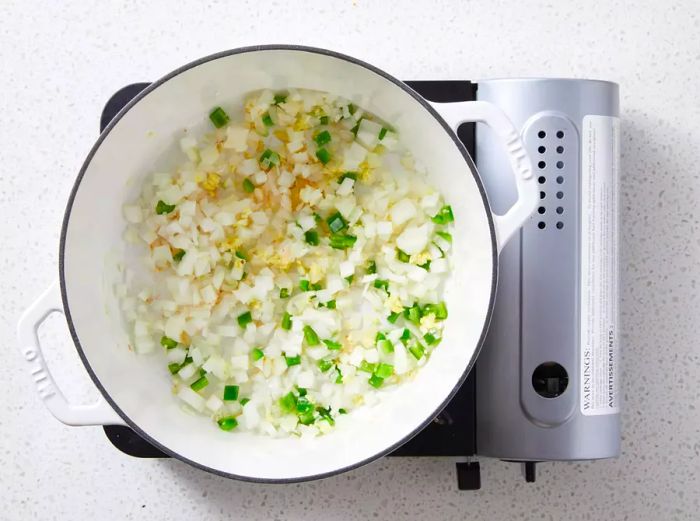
191	398
225	251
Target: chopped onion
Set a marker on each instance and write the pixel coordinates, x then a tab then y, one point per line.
191	398
257	281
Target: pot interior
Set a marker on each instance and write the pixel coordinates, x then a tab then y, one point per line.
144	138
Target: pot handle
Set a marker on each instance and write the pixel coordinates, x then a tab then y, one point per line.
98	413
484	112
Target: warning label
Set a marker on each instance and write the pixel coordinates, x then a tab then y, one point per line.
600	153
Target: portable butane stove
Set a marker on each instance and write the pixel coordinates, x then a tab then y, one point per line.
545	386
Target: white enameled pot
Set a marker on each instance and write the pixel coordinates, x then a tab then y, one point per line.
135	389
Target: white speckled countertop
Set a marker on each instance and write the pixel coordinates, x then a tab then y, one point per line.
62	60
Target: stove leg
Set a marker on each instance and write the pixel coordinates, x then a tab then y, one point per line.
529	469
468	475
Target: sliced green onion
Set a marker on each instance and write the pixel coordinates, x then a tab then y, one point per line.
380	336
323	155
284	293
444	216
324	365
367	367
376	381
342	242
356	128
425	265
393	317
405	335
384	370
350	278
248	186
386	346
292	360
333	346
231	393
311	237
347	175
431	339
267	120
304	285
445	235
317	217
307	418
174	368
188	360
218	117
303	403
243	401
288	402
269	158
280	98
439	310
244	319
382	284
336	222
342	411
371	268
417	351
257	353
323	120
413	314
310	336
382	133
200	383
228	423
316	286
168	342
202	371
322	138
162	208
286	321
325	414
330	304
178	255
352	109
302	391
442	253
241	255
339	377
402	255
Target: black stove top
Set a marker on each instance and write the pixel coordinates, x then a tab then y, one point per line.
453	432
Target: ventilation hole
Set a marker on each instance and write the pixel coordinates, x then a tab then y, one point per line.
541	150
541	179
541	209
560	225
541	134
560	210
541	165
560	179
542	195
541	225
560	150
560	134
560	164
560	195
